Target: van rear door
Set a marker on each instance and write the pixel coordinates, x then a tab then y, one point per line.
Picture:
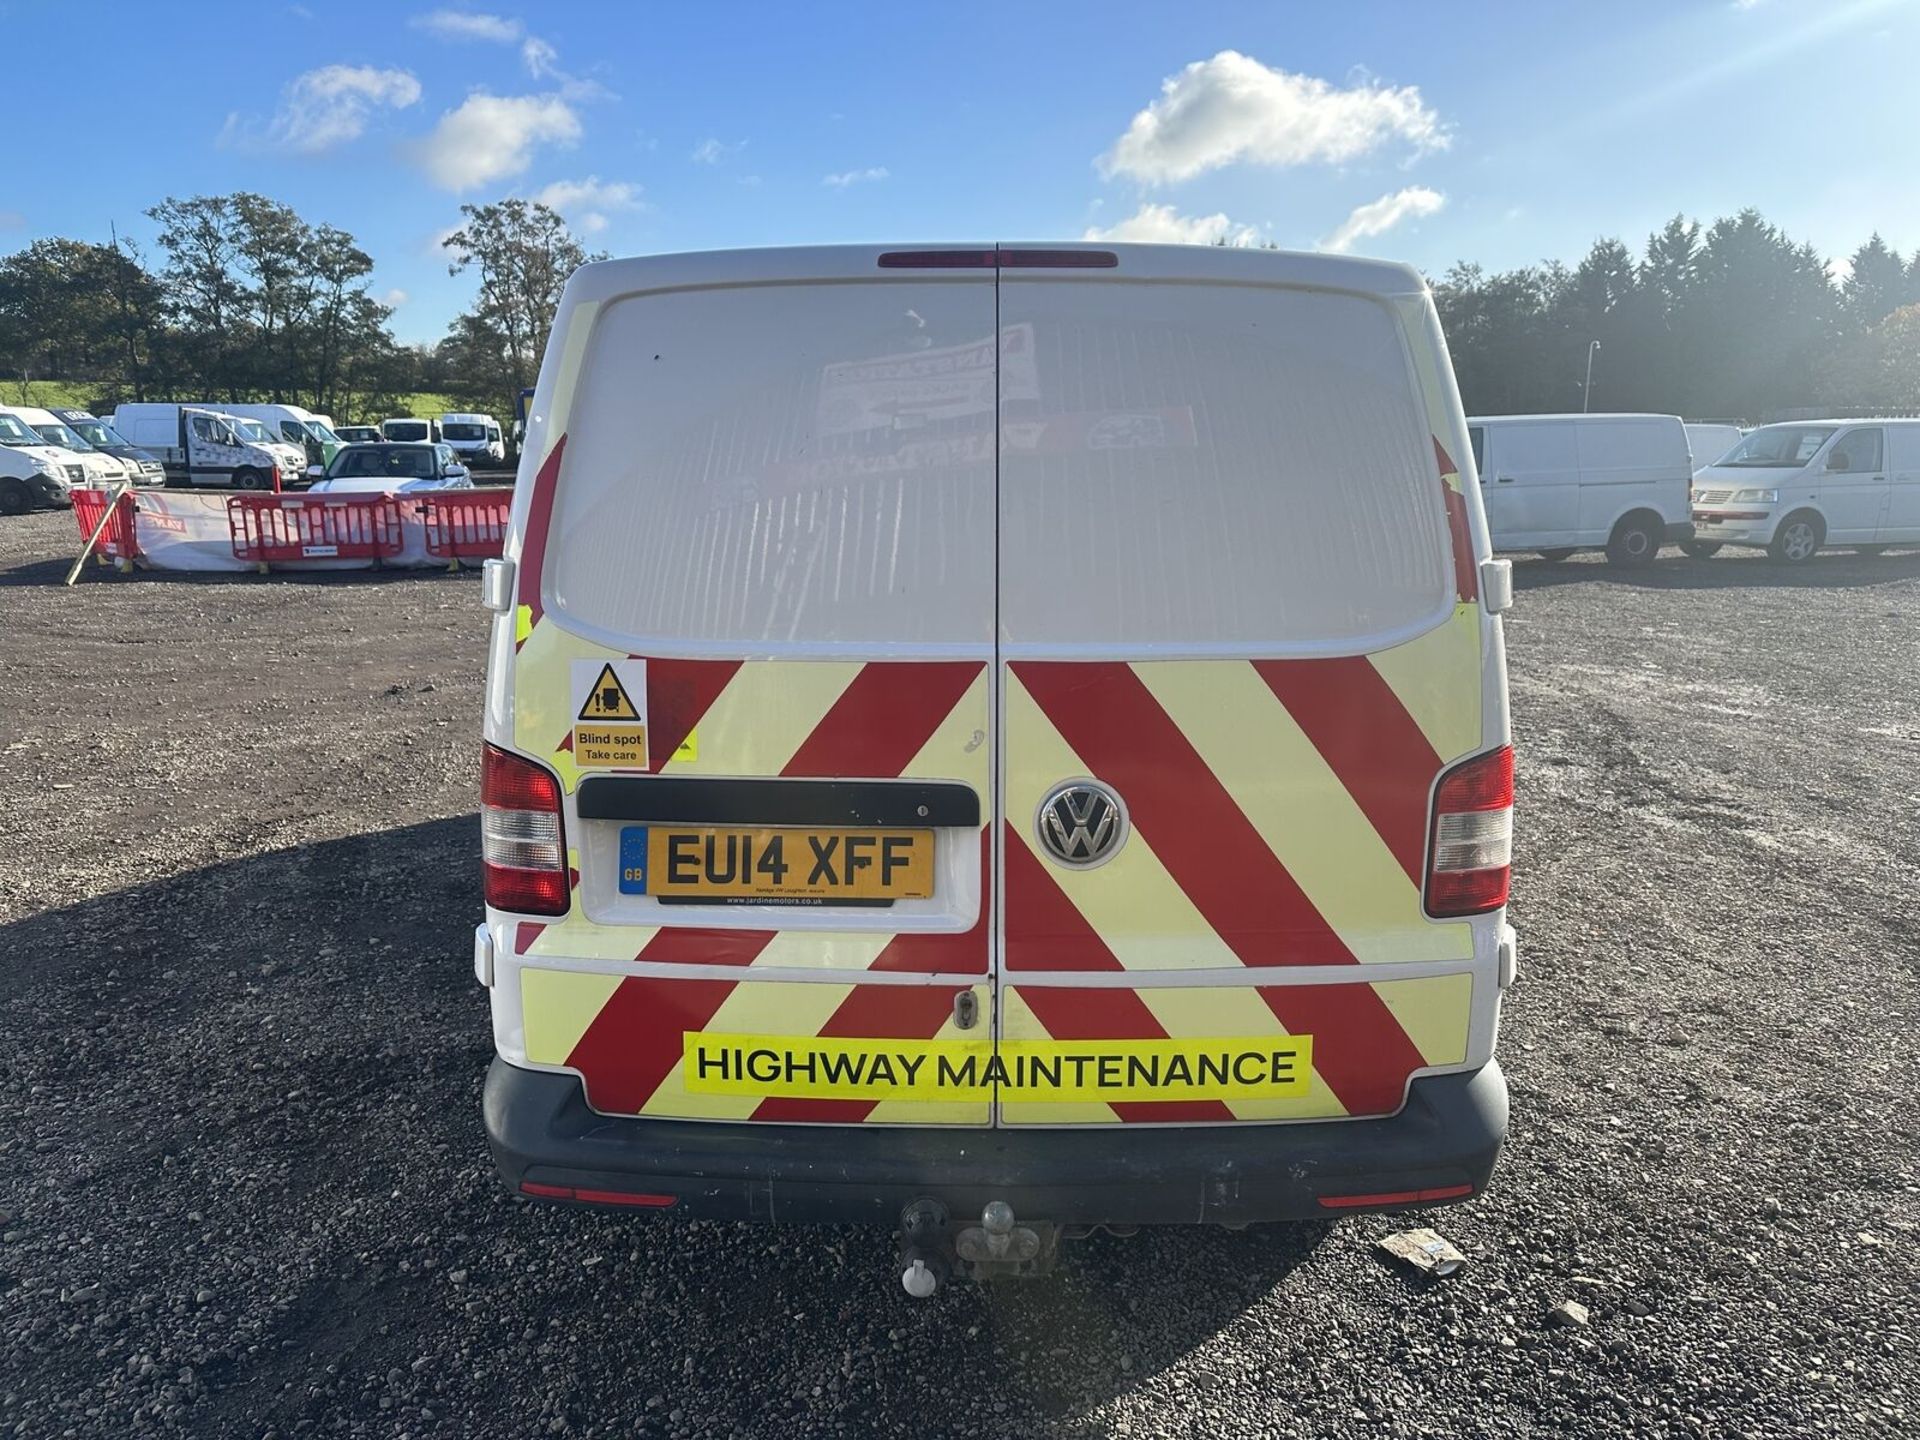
755	643
1238	644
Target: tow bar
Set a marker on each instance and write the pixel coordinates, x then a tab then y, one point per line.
931	1249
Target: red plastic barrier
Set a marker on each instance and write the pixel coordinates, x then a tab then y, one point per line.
287	529
466	524
118	541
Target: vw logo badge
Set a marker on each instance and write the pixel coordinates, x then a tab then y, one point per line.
1081	824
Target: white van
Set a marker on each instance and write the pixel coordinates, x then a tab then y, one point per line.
201	446
1708	441
475	438
1561	483
295	426
410	429
97	466
1795	487
33	472
1011	738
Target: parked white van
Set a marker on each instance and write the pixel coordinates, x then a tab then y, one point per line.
1797	486
201	446
475	438
410	429
33	472
1708	441
958	720
1561	483
295	426
99	467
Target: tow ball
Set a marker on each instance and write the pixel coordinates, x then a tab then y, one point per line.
931	1248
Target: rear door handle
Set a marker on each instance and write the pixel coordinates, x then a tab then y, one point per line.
1506	479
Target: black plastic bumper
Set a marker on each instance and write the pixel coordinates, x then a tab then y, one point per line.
1679	531
1445	1139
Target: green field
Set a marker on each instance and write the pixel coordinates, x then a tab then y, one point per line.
47	394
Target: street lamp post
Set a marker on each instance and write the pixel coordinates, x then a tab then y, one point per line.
1586	391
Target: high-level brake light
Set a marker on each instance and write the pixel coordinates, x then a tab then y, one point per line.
998	260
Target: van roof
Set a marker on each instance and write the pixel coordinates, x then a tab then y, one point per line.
606	278
1583	418
1845	420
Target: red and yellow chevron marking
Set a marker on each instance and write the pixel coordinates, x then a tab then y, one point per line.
1430	1018
625	1035
1466	572
1279	810
800	718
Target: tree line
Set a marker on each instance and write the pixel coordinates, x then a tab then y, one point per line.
1732	320
243	299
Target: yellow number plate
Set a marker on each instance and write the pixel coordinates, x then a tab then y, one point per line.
803	866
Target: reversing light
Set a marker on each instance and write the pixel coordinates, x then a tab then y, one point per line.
1470	846
523	850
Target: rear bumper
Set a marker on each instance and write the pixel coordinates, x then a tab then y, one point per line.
1445	1139
1679	530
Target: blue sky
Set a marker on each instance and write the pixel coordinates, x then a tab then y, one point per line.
1498	132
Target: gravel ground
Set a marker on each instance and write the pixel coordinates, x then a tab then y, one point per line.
245	1189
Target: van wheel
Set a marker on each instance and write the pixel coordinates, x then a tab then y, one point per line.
1798	539
1700	549
15	498
1635	540
1557	554
249	480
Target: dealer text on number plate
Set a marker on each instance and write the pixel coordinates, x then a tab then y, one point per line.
731	864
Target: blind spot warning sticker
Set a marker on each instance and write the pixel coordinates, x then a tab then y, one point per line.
609	705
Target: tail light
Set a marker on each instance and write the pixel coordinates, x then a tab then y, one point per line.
523	848
1470	850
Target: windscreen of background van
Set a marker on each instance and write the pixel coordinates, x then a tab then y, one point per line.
1177	465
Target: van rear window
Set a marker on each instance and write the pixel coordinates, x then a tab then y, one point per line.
1211	465
1098	463
783	463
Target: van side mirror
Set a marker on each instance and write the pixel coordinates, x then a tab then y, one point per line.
1839	460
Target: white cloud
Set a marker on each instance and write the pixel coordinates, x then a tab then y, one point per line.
585	203
1232	108
712	151
542	60
539	56
394	298
1163	225
324	108
468	25
854	177
1376	217
489	137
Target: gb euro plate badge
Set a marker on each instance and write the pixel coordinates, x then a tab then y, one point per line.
610	714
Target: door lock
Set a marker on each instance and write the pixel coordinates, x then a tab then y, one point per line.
966	1010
